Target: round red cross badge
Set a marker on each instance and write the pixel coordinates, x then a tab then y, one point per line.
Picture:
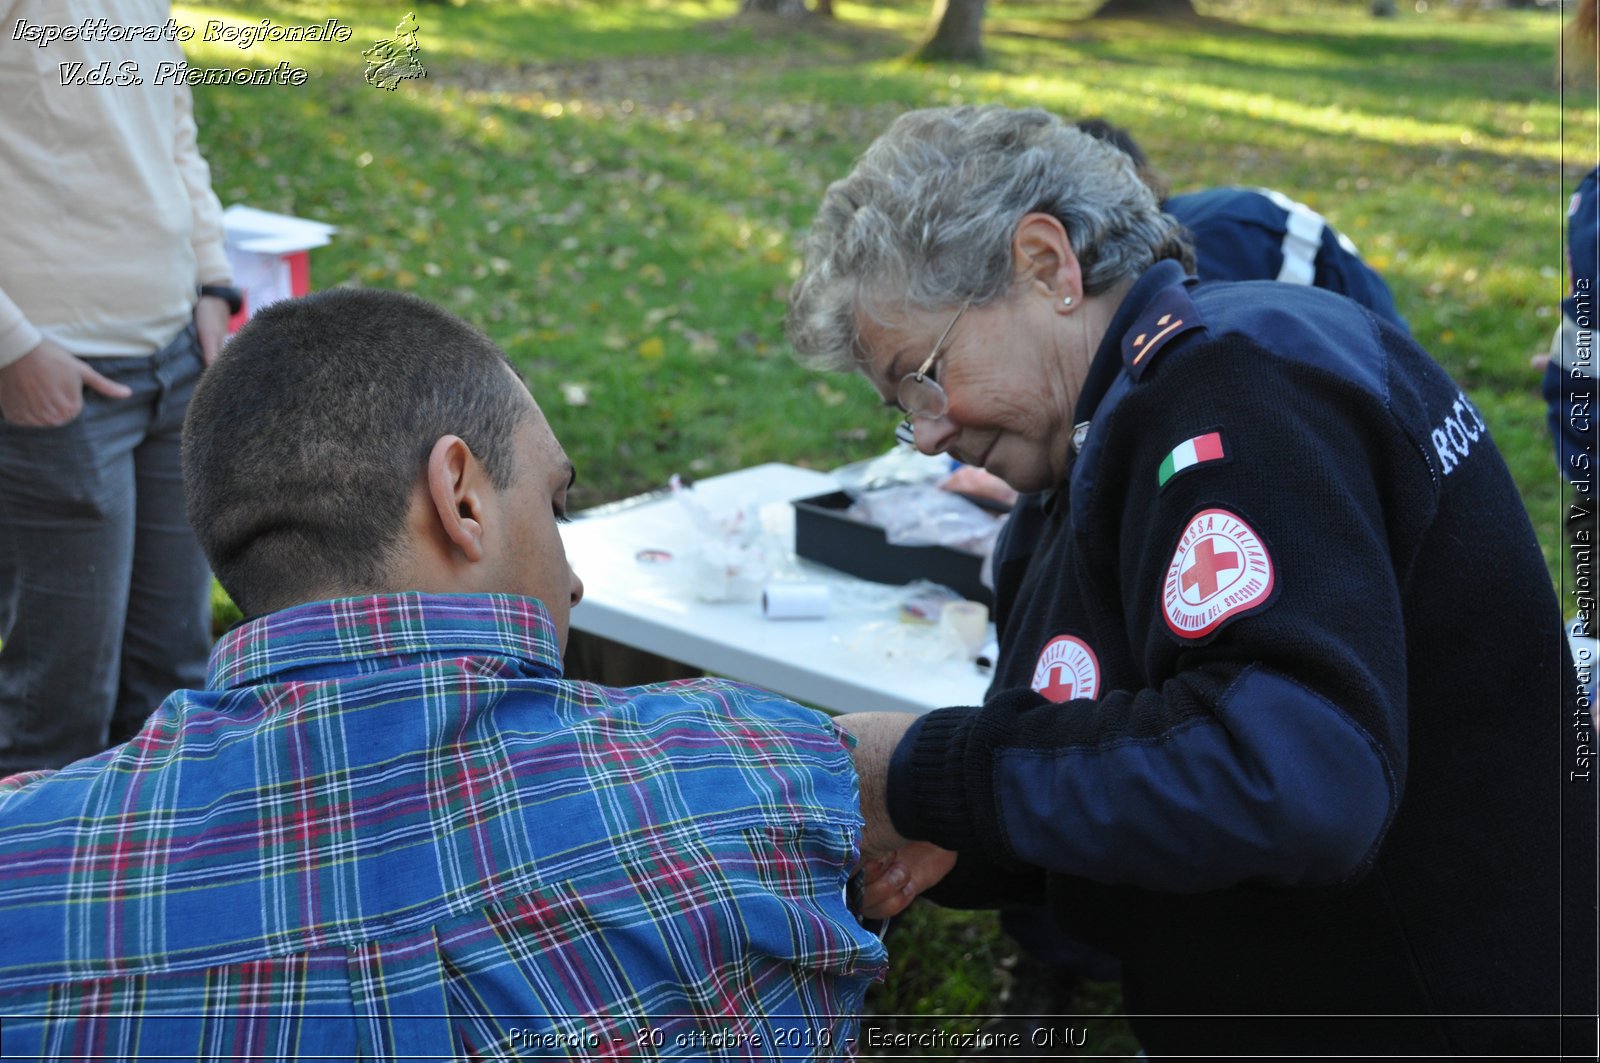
1220	569
1067	669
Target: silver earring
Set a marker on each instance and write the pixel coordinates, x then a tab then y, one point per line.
1066	300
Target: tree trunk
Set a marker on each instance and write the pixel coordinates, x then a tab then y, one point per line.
823	9
785	8
957	32
1147	9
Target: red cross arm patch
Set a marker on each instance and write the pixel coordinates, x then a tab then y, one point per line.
1219	569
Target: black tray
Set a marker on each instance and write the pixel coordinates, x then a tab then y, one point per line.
825	534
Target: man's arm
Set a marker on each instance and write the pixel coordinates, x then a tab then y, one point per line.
211	325
206	232
876	735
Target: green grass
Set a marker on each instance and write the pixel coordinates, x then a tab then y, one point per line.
615	190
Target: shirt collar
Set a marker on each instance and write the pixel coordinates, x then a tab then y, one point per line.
341	633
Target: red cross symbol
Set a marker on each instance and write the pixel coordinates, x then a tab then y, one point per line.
1207	563
1058	687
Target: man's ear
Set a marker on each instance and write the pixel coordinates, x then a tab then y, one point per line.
455	493
1043	259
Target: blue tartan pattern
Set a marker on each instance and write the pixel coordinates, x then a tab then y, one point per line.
388	828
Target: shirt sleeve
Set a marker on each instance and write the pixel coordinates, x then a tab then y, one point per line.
1269	748
17	335
211	259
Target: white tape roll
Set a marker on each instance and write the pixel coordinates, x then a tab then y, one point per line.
968	624
795	601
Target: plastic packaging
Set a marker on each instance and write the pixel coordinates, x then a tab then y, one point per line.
730	561
923	515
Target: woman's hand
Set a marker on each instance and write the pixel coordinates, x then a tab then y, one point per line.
889	885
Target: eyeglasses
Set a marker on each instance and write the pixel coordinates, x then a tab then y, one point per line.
919	394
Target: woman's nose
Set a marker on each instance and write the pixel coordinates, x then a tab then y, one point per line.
933	434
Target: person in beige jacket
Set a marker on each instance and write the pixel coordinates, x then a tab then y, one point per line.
114	294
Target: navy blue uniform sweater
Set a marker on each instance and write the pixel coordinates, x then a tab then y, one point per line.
1243	234
1292	729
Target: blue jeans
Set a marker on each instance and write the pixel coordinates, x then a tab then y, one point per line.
105	596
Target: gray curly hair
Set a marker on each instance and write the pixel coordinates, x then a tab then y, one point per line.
926	218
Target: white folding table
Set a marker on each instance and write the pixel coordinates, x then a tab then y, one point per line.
634	595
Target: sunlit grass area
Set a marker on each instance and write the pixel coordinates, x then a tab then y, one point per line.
616	190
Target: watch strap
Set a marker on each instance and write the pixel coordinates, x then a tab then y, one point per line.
227	293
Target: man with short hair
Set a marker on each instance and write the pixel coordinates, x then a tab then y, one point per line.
387	826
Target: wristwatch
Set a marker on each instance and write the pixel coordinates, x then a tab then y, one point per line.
227	293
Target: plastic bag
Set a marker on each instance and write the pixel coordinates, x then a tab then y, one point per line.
923	515
731	559
898	468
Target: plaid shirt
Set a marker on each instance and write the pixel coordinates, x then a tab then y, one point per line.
388	828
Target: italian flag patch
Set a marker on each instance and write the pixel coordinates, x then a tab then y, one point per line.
1191	452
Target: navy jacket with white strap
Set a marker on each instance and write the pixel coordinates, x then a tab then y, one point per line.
1245	234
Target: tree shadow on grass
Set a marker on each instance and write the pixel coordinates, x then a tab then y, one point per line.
868	41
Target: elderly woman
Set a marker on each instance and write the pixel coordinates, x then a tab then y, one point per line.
1282	713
